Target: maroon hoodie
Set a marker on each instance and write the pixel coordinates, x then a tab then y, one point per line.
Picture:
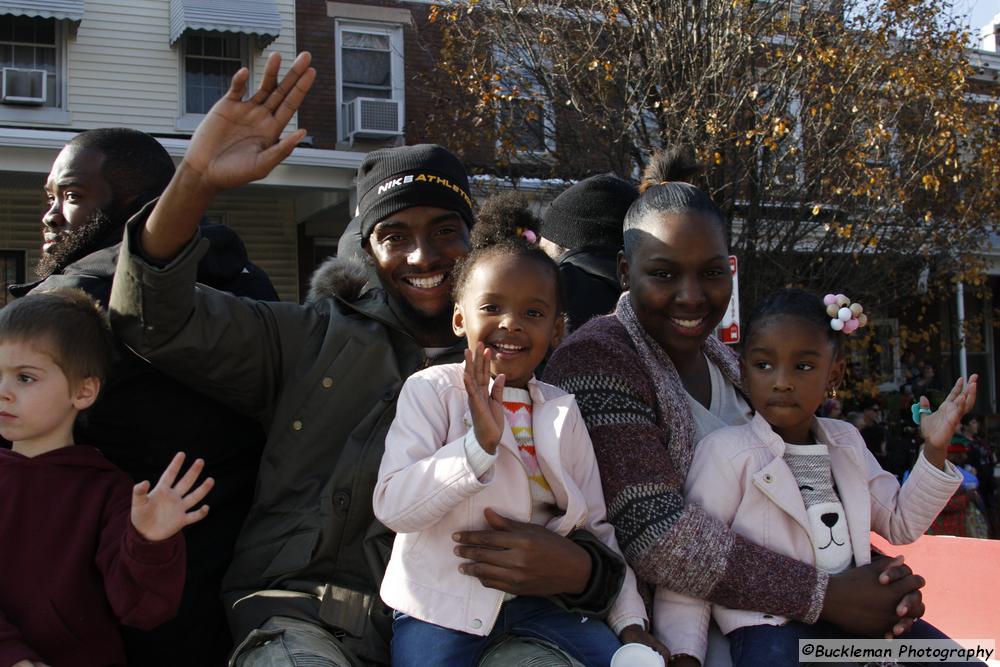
72	566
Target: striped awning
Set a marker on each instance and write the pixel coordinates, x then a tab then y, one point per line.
62	10
248	17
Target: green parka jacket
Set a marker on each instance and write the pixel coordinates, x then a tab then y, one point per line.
323	378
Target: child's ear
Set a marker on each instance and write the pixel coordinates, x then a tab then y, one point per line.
86	392
458	321
836	374
559	330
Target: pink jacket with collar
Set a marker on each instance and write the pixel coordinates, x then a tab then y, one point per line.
426	491
739	475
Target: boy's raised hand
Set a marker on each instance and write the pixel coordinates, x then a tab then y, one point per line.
486	406
938	427
161	513
237	142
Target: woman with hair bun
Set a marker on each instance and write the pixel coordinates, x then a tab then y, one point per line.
651	381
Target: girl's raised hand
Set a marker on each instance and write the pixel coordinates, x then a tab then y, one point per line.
486	406
161	513
938	427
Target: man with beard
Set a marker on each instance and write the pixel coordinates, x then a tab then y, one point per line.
97	182
303	586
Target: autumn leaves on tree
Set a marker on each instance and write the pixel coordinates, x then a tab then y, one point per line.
850	143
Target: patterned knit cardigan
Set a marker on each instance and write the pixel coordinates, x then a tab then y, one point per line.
666	543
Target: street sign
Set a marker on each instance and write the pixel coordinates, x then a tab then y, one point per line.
729	328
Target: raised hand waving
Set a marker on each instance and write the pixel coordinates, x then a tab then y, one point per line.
486	406
161	513
238	142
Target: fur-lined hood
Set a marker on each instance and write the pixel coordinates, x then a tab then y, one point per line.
346	278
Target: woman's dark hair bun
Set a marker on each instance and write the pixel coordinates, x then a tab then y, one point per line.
503	218
677	163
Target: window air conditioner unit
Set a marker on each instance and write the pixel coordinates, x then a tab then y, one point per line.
23	86
368	117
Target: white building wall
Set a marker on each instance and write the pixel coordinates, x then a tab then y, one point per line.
988	38
122	71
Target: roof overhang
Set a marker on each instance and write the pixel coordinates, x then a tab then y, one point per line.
33	151
259	18
61	10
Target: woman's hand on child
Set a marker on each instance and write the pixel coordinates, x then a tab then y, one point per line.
938	427
161	513
636	634
486	406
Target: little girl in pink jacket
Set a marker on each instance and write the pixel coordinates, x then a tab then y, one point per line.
803	486
487	434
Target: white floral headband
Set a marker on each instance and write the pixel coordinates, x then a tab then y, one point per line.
847	316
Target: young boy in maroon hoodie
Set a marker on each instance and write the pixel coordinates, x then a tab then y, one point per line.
82	548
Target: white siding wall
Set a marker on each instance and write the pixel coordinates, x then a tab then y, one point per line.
122	70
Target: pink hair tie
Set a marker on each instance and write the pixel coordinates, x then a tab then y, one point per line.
847	316
530	236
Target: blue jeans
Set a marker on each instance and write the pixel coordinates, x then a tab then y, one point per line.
778	645
417	643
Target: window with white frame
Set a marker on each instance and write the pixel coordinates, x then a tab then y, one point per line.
30	59
525	115
369	64
210	60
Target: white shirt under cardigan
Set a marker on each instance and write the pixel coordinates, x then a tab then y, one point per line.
739	475
726	408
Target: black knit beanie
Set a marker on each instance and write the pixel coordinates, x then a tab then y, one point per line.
393	179
591	212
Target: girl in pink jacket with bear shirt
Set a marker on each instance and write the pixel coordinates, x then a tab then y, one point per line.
800	485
